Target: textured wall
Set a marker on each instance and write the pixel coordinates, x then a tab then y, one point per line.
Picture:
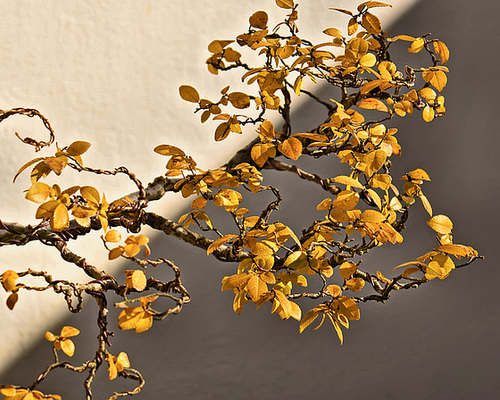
108	72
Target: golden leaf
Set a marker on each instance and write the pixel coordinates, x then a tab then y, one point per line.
428	113
371	4
335	32
261	152
308	319
189	93
69	331
60	217
345	200
136	279
235	281
355	284
458	250
222	131
91	194
381	181
436	78
334	290
113	236
371	23
373	104
348	307
347	268
38	192
352	26
416	46
31	162
426	204
346	180
372	216
136	318
441	49
9	280
239	100
287	4
199	203
219	242
259	20
256	287
67	346
441	224
77	148
291	148
168	150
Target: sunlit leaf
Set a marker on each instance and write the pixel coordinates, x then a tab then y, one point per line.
441	224
291	148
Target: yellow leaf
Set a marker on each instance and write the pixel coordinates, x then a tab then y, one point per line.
441	224
334	290
426	204
189	93
436	78
371	23
235	281
136	279
259	20
416	46
368	60
352	27
355	284
373	104
239	100
428	113
222	131
60	217
458	250
348	307
266	131
199	203
112	236
443	52
69	331
374	160
337	328
287	4
68	347
256	287
346	180
38	192
381	181
91	194
135	318
346	200
261	152
291	148
347	268
78	148
335	32
372	216
308	319
219	242
168	150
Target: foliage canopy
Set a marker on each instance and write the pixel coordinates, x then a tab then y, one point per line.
362	211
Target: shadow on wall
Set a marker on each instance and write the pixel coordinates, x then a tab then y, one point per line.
437	342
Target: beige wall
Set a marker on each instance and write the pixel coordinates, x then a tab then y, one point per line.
108	72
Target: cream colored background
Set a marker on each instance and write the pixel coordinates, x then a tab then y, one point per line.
108	72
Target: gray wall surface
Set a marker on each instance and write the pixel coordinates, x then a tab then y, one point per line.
437	342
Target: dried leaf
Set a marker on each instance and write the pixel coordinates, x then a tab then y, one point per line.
189	93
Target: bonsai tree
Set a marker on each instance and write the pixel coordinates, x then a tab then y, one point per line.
274	266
